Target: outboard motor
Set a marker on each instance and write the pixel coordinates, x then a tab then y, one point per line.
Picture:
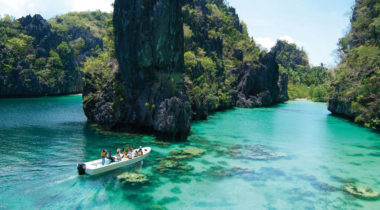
81	168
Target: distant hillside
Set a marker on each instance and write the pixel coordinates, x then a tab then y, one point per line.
304	81
39	57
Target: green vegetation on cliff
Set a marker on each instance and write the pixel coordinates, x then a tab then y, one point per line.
217	49
39	57
304	81
356	85
161	79
216	46
27	67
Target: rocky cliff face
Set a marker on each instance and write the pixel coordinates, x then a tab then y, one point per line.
151	90
44	38
355	90
262	84
224	66
341	107
150	93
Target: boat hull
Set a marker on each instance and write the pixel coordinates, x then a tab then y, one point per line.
95	167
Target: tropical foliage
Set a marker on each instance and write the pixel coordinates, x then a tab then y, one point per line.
216	46
357	79
39	57
304	81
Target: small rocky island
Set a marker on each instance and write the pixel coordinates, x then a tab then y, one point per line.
153	88
151	92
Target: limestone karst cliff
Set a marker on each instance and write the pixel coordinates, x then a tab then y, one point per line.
151	94
176	61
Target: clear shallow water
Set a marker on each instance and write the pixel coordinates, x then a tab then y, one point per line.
42	139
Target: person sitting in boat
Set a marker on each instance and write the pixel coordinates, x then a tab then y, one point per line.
103	155
140	151
118	155
112	159
124	153
130	154
130	149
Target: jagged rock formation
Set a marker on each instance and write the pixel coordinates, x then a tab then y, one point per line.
151	93
224	66
283	88
261	85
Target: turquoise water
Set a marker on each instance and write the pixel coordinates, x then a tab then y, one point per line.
42	140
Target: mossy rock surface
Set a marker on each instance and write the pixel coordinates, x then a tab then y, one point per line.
193	151
169	163
177	155
133	178
172	165
362	192
156	207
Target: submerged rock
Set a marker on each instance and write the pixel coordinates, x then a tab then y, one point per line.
161	143
133	178
324	186
179	156
157	207
172	165
218	172
167	200
186	154
361	192
245	173
176	190
193	151
259	152
253	152
375	154
344	180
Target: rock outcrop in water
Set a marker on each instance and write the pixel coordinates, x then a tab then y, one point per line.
362	192
152	89
260	85
224	66
151	93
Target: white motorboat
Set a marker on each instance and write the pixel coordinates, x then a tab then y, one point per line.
96	166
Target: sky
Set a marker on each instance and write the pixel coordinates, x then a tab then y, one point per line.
314	25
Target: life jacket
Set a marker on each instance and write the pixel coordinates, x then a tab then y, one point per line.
139	153
103	154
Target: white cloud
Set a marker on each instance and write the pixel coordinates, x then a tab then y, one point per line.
84	5
265	42
49	9
287	38
268	42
